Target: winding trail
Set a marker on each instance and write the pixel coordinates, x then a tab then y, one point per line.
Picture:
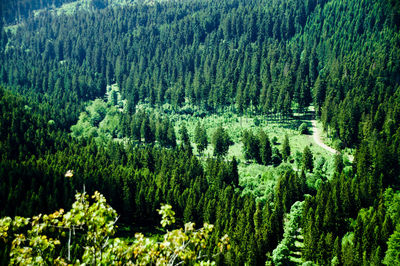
317	138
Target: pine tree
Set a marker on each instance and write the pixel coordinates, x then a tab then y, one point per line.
336	253
221	142
265	148
285	148
251	146
393	252
146	131
185	140
234	175
200	138
308	161
171	137
339	165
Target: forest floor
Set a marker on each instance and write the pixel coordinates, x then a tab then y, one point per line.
317	138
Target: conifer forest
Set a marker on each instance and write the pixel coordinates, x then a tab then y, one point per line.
200	132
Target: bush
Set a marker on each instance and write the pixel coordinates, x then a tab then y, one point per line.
276	157
338	145
303	129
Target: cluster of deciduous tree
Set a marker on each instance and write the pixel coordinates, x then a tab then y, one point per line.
91	239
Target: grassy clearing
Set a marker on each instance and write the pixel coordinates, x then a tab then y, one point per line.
253	176
70	8
235	125
86	5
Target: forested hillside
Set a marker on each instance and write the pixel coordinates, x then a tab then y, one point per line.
97	86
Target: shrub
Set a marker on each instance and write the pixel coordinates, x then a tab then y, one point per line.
338	145
276	157
303	129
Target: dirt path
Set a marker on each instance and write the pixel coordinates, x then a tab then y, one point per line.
317	138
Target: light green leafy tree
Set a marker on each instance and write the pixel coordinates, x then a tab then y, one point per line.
97	110
392	256
90	227
99	121
392	204
280	255
111	123
83	127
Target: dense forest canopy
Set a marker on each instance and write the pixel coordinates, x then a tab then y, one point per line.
75	76
261	56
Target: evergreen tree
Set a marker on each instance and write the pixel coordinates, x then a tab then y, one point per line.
200	138
392	256
265	148
185	140
234	175
221	142
339	165
251	146
308	160
285	148
146	133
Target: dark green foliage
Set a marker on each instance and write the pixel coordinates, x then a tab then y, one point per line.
303	129
276	158
145	131
234	175
339	165
165	133
200	138
221	142
392	256
308	160
257	147
251	146
285	148
185	140
149	127
265	148
249	56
